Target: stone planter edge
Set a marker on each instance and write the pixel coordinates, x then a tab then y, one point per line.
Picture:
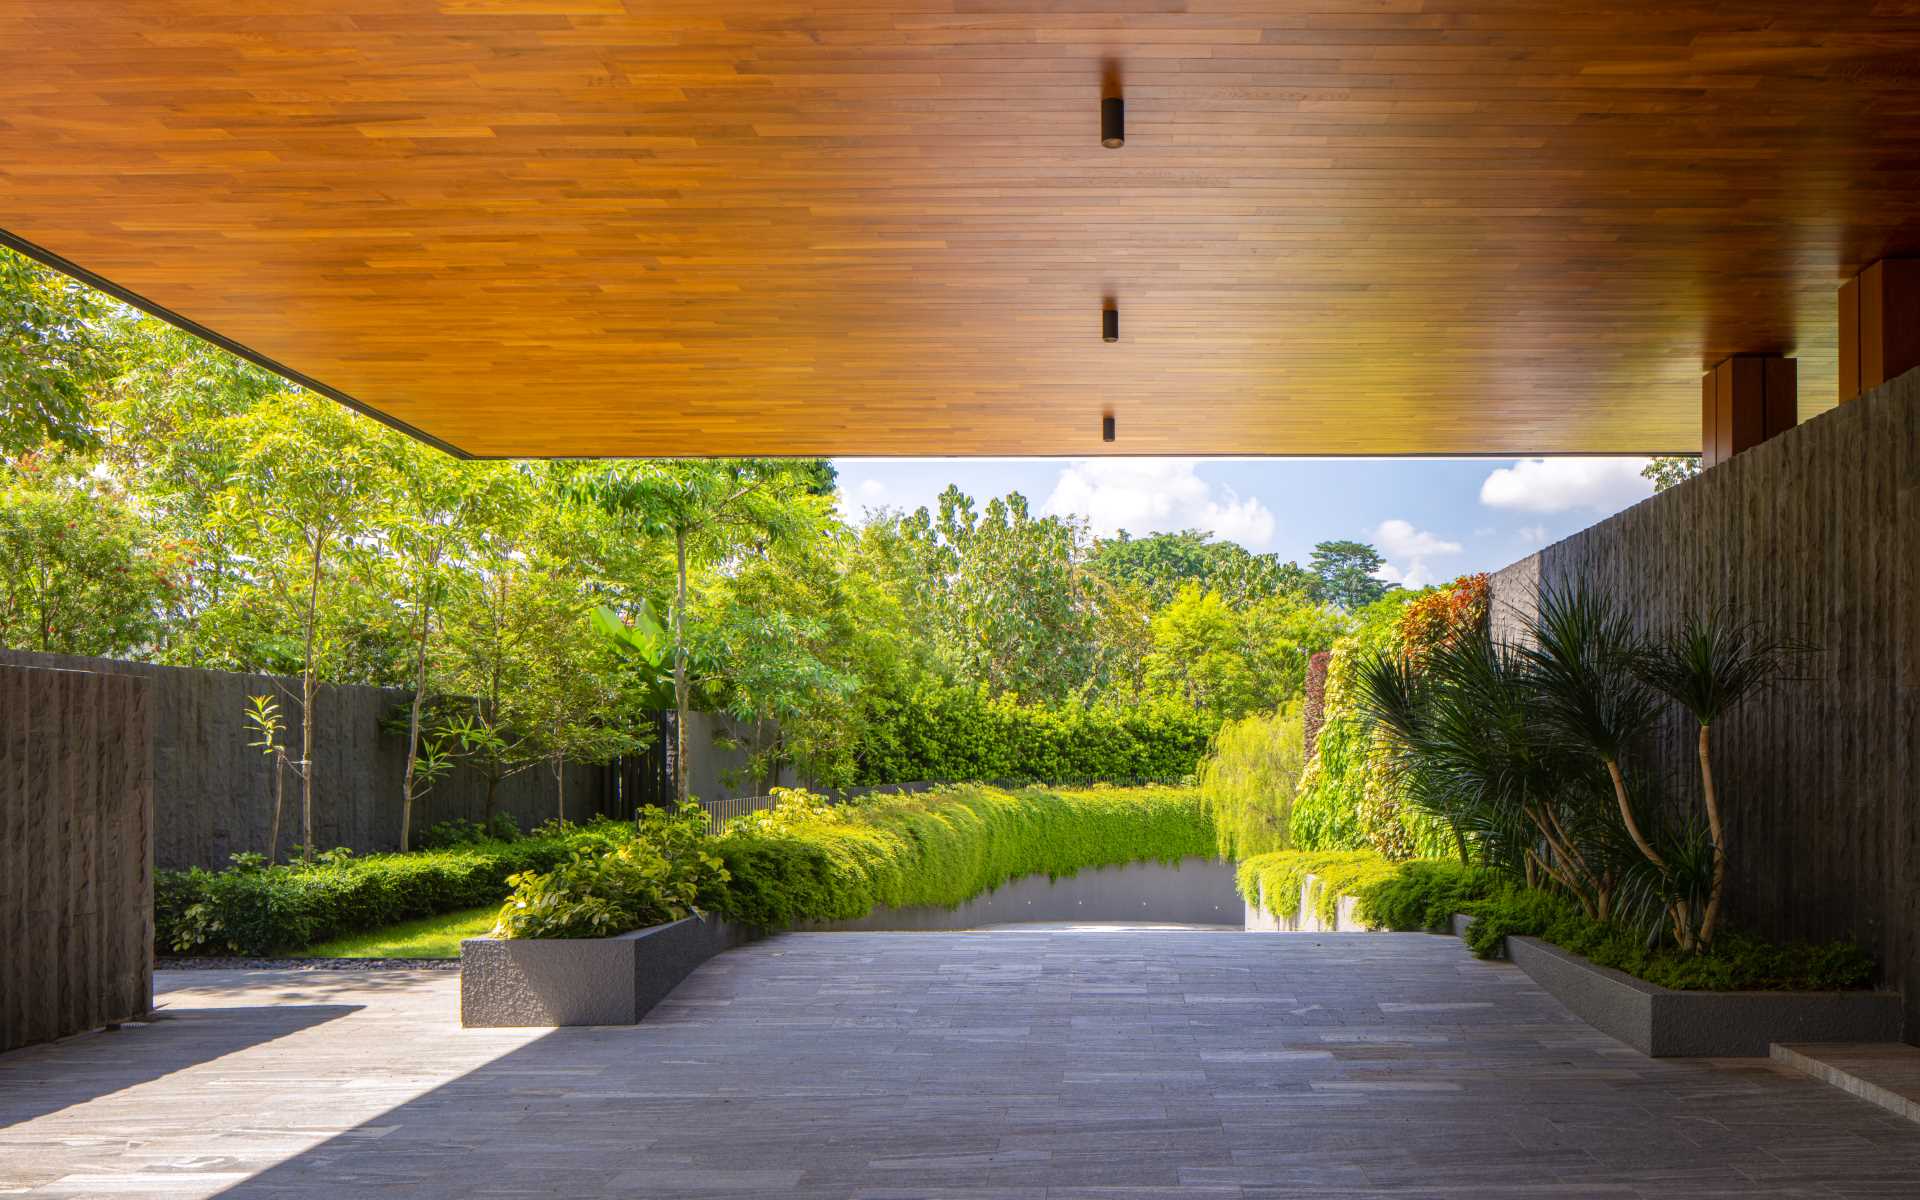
1664	1023
549	982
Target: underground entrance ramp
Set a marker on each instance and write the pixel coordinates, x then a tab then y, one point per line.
1192	891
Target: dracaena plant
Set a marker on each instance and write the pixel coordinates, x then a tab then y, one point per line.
1583	658
1710	665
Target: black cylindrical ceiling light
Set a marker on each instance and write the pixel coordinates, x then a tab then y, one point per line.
1106	428
1113	122
1109	324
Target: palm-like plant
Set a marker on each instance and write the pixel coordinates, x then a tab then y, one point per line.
1584	661
1503	743
1711	665
1469	747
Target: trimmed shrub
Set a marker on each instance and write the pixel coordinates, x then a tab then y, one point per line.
1735	963
251	909
808	861
650	878
1425	894
958	734
444	835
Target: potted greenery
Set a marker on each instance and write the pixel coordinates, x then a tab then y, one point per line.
602	938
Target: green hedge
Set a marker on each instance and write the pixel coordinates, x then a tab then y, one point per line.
1425	895
1736	962
806	861
1336	873
251	910
956	734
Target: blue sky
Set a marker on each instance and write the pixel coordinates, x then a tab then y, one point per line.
1432	518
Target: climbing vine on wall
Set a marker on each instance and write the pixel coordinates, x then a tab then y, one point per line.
1347	799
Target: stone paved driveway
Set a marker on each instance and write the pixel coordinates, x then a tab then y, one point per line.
1006	1064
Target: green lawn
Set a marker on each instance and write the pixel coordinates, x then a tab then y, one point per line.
425	937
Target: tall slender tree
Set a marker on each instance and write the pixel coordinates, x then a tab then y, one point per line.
710	510
433	506
307	477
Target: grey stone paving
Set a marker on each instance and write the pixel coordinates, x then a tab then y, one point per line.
1050	1064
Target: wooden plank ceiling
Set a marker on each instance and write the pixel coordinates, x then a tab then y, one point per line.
558	227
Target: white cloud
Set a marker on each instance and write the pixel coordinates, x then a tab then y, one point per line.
1551	485
1157	495
1416	575
853	502
1407	550
1533	535
1399	539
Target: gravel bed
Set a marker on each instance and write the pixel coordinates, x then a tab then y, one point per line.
210	963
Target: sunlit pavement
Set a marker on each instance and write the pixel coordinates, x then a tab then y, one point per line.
1053	1062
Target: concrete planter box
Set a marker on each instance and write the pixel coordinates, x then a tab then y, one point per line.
1194	891
1261	919
521	982
1664	1023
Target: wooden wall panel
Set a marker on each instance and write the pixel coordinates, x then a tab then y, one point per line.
1744	400
1815	532
76	852
1848	339
886	226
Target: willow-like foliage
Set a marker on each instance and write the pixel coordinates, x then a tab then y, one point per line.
1249	778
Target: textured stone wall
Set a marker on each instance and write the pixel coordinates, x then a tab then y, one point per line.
1815	533
76	881
213	794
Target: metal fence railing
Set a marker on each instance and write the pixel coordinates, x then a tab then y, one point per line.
719	812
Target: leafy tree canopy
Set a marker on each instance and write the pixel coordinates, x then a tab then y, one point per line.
1671	471
1348	573
52	355
1162	563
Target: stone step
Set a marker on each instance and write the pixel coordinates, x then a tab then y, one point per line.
1882	1073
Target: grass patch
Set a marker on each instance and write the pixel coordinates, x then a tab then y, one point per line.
423	937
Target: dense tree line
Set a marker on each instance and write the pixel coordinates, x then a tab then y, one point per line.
163	500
